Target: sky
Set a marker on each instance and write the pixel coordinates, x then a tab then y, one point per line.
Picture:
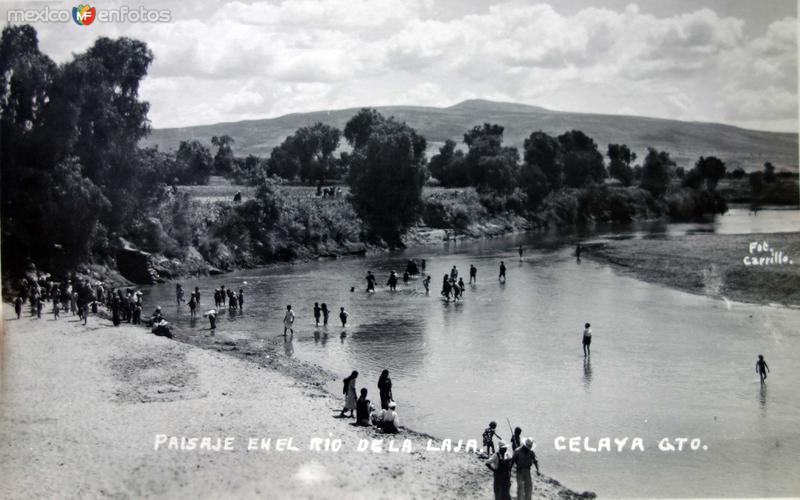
727	61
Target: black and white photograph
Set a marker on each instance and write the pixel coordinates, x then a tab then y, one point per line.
399	249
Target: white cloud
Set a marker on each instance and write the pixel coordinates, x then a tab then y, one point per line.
255	59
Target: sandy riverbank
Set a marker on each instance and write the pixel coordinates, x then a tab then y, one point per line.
710	264
81	407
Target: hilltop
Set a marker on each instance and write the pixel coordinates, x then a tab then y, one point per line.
685	141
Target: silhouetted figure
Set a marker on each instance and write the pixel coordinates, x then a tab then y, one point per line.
762	368
587	340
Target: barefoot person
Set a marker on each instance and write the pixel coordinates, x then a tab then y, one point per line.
523	459
349	391
473	274
587	340
488	437
502	275
288	320
343	316
762	368
363	409
520	252
500	464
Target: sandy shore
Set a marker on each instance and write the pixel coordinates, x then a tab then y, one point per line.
710	264
81	407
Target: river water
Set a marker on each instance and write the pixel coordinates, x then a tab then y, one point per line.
664	363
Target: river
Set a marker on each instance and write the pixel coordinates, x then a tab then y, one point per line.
664	363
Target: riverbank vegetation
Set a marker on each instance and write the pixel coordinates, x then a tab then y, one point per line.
78	188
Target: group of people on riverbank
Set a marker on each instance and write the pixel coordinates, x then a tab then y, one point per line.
503	462
385	418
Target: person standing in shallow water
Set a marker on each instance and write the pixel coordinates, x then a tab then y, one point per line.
520	252
325	312
473	274
343	316
762	368
587	340
317	313
578	251
240	298
385	389
349	391
502	275
288	320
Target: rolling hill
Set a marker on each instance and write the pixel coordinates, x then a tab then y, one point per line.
685	141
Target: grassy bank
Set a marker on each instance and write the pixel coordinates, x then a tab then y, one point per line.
80	421
710	264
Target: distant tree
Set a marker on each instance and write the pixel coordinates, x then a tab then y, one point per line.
680	172
711	169
387	172
544	151
283	162
534	183
491	166
449	166
359	127
194	162
656	172
637	173
756	182
769	172
738	173
583	163
223	158
620	158
308	152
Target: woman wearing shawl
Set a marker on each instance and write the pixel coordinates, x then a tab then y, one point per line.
349	391
385	388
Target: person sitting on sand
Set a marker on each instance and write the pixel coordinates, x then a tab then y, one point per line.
762	368
363	409
391	422
157	317
288	320
349	391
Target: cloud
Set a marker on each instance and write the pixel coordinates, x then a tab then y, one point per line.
254	59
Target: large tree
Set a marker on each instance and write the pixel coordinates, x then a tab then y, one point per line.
583	163
656	171
620	158
544	152
491	166
387	172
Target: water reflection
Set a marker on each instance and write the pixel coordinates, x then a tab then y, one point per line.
587	373
762	399
288	345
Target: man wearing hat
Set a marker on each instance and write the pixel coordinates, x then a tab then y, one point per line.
500	464
523	458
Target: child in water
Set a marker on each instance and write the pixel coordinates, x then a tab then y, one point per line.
762	368
325	312
317	313
427	283
488	437
343	316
